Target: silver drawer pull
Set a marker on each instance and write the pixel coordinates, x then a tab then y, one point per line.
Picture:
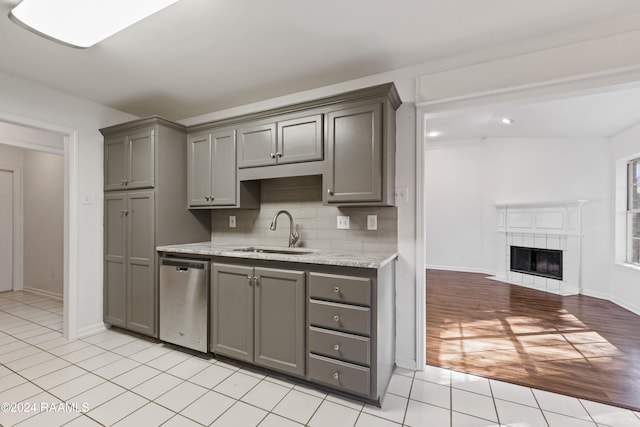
336	318
336	376
273	156
336	347
336	290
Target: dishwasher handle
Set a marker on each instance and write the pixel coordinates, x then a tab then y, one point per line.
183	265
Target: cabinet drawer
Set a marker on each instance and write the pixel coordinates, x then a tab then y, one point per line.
356	290
340	316
338	374
339	345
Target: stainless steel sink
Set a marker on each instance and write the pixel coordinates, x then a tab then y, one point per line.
272	251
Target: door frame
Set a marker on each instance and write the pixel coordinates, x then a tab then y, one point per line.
536	92
69	151
17	280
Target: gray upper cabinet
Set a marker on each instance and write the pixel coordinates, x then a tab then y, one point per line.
137	220
129	160
354	169
289	140
257	145
347	138
257	315
212	169
299	139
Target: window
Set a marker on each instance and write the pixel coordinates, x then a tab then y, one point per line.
633	211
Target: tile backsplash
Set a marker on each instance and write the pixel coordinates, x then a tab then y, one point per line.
316	223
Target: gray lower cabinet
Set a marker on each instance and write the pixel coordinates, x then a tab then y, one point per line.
350	330
129	287
257	316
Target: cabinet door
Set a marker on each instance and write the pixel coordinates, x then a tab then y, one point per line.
300	139
141	283
115	175
279	321
257	145
232	311
355	155
141	173
224	181
115	252
199	169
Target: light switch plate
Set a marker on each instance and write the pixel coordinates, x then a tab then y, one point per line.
372	222
232	221
343	222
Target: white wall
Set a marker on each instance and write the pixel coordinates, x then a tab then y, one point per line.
624	279
35	102
43	222
466	180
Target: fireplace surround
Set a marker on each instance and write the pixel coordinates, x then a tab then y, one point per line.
540	246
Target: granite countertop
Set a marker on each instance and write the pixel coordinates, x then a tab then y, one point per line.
301	255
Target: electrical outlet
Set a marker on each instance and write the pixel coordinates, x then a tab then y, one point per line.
372	222
232	221
343	222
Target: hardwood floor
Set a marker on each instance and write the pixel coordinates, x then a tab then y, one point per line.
579	346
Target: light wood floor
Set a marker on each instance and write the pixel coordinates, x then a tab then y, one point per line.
579	346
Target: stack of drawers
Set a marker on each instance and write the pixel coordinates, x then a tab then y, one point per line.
340	337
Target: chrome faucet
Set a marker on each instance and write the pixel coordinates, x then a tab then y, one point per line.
293	235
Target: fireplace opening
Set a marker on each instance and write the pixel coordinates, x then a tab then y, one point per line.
538	262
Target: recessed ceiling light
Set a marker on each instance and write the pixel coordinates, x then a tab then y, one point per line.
433	134
506	121
82	23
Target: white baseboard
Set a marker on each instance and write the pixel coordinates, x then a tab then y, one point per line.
91	330
406	364
460	269
52	295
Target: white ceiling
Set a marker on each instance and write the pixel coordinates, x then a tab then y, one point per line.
601	114
199	56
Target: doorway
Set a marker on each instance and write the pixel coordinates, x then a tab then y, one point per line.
6	230
66	145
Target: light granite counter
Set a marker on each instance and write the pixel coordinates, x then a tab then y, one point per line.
301	255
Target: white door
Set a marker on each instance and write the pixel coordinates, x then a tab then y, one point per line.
6	230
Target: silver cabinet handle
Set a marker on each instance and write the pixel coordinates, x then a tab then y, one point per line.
256	281
278	154
125	212
329	192
336	347
336	375
206	198
211	198
273	156
336	318
249	280
336	290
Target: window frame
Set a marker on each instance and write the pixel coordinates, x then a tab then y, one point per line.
631	212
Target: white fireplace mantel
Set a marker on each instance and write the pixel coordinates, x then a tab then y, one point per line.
546	225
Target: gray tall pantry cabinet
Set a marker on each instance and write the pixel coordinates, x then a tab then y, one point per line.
145	181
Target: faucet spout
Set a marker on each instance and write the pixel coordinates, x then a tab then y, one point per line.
293	236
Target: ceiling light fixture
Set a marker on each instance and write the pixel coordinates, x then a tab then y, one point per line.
506	121
434	134
82	23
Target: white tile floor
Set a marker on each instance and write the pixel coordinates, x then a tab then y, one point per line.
113	378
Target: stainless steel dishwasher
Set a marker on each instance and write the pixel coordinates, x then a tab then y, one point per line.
184	289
